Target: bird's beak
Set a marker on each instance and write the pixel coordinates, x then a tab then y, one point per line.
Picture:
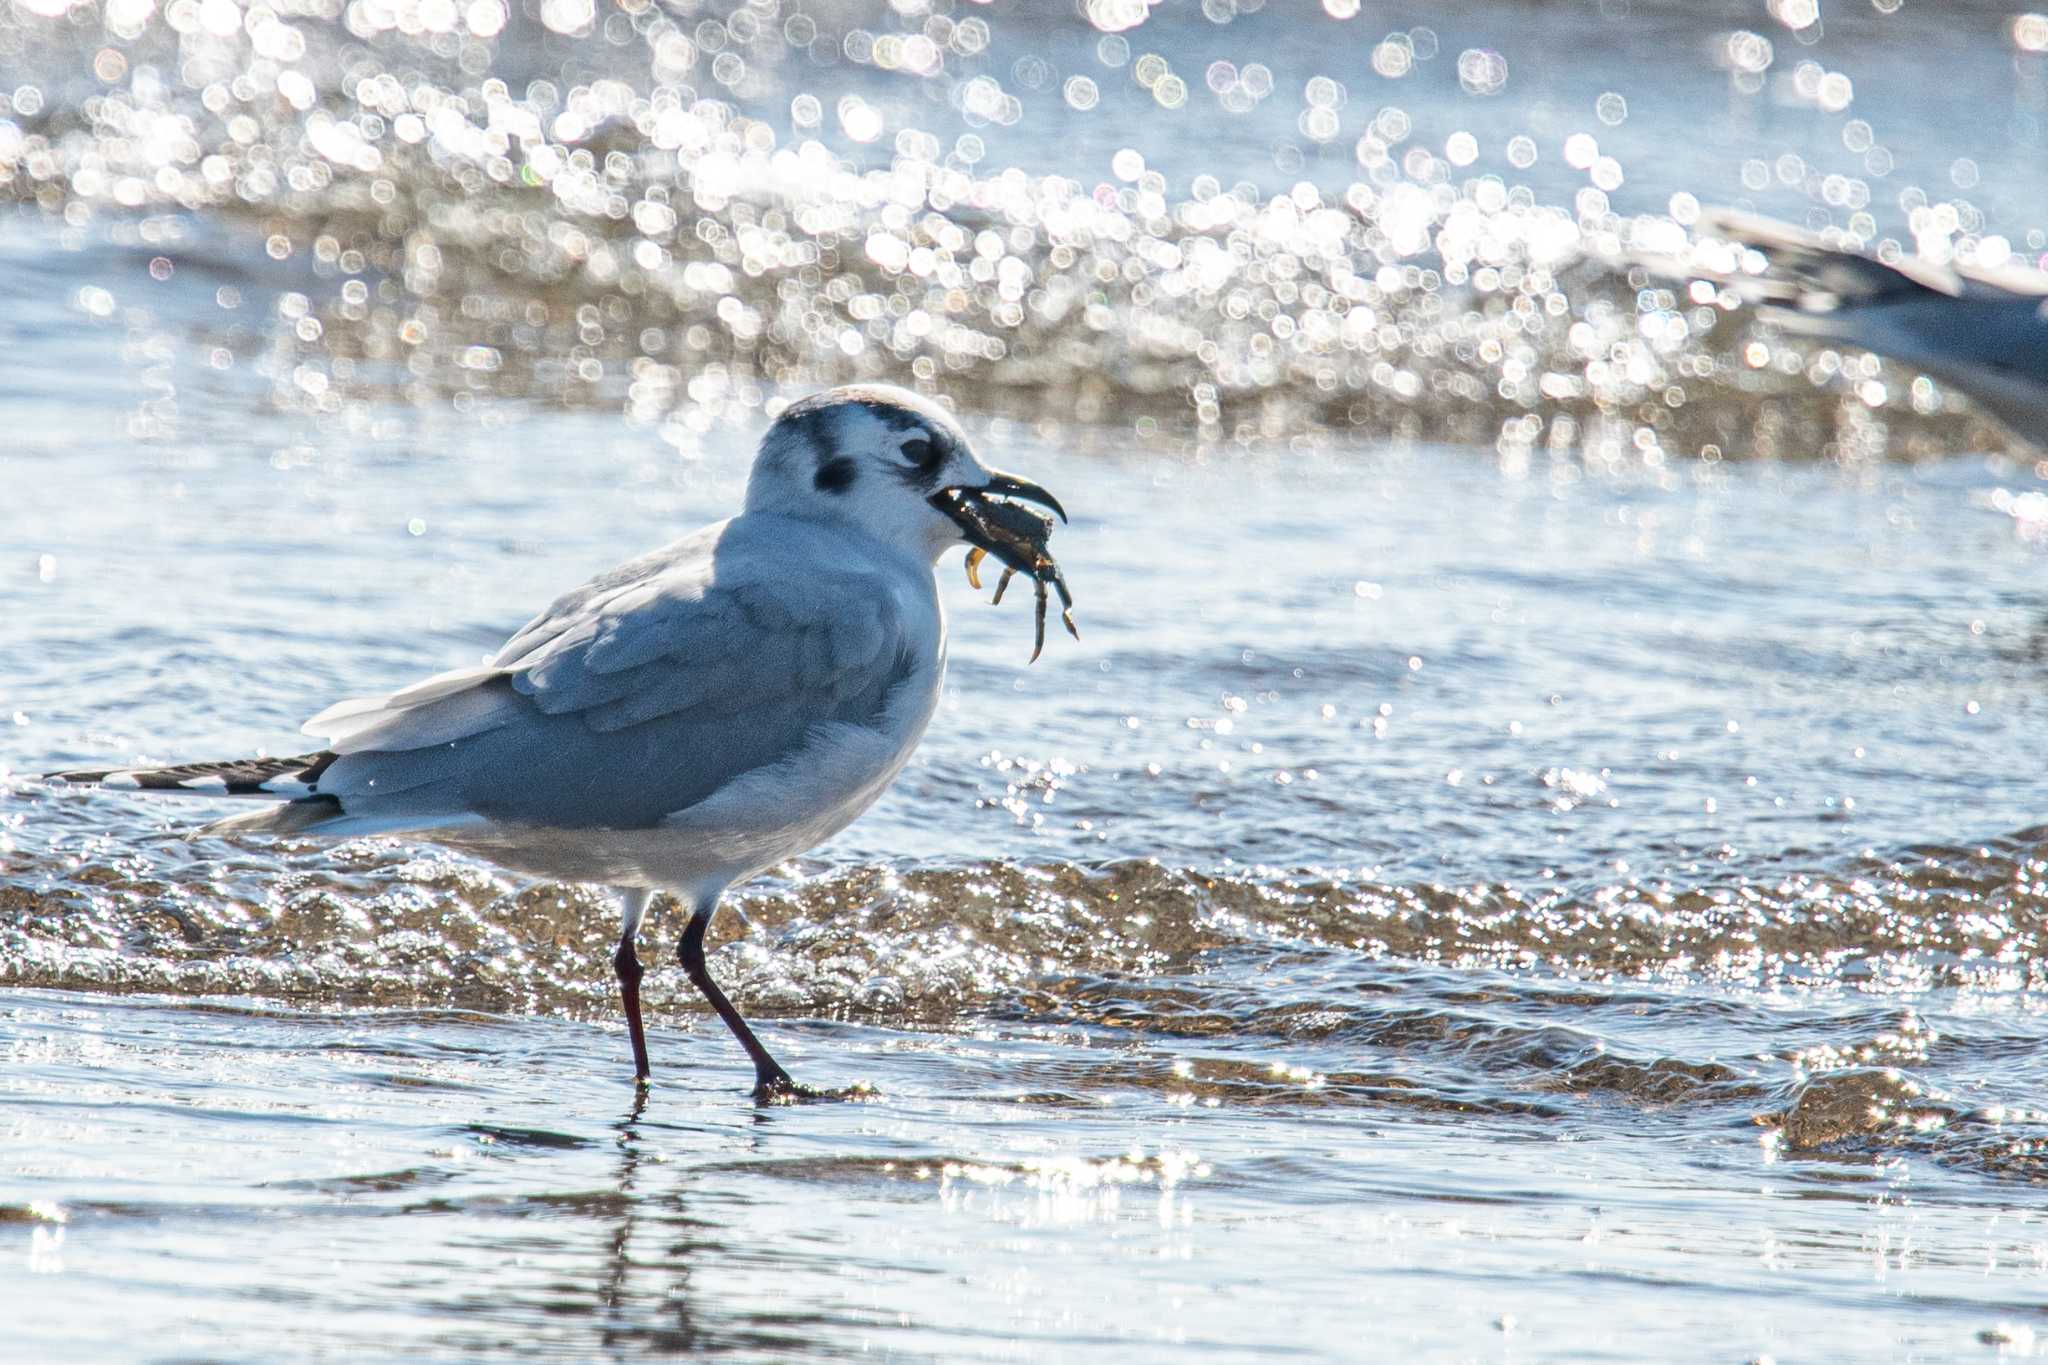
992	517
1010	486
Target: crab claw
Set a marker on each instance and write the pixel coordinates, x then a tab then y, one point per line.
975	555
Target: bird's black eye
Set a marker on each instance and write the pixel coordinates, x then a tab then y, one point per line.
921	452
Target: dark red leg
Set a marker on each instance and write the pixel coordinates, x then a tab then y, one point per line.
771	1082
626	963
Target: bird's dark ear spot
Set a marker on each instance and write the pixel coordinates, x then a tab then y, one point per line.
835	475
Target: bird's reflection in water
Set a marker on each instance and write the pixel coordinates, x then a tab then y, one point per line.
645	1293
627	1280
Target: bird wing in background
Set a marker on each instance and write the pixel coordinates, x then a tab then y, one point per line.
1983	331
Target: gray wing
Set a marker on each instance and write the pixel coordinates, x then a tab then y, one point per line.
1959	336
1995	349
636	696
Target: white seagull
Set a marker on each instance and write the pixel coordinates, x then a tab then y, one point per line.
1982	330
698	714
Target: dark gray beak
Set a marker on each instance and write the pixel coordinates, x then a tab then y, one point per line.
993	517
1010	486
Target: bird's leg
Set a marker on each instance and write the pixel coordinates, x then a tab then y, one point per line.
771	1082
626	964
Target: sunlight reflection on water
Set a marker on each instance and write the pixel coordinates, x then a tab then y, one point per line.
1445	883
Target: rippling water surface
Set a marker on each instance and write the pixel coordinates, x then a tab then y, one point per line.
1538	853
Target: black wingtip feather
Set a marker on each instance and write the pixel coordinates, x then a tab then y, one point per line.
238	777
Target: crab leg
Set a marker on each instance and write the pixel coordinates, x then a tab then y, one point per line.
1046	578
1059	583
1038	645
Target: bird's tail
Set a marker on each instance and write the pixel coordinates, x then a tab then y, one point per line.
275	778
1805	274
295	781
290	787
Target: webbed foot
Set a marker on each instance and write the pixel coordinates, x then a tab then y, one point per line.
776	1087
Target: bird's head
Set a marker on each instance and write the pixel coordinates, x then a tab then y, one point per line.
892	463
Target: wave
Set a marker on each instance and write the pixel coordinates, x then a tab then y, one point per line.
1124	943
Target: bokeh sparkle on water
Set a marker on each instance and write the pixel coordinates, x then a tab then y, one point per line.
652	204
1546	809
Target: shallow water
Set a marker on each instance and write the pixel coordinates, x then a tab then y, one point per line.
418	1183
1494	878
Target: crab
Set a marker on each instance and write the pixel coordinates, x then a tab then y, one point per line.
1017	537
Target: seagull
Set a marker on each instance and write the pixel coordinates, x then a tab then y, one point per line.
696	715
1982	330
